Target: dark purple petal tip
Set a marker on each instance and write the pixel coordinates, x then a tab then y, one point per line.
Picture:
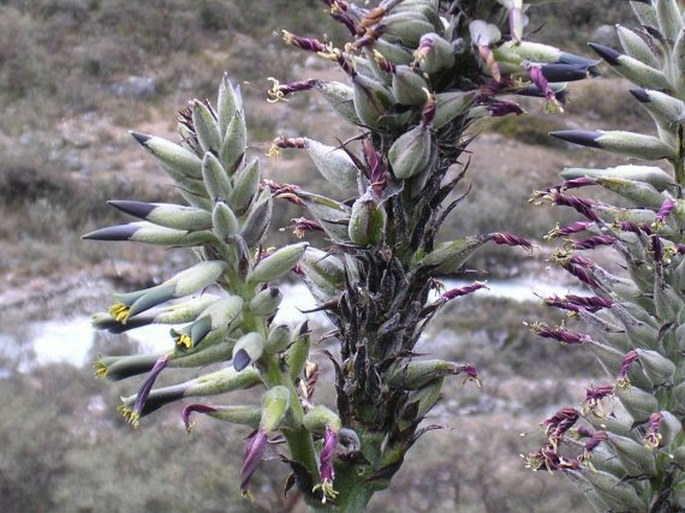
610	55
241	360
138	209
582	137
113	233
140	137
641	95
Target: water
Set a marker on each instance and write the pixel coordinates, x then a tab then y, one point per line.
69	341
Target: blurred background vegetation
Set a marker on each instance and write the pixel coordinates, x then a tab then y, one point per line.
75	75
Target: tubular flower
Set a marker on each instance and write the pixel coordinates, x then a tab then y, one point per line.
578	226
279	91
194	408
326	469
133	415
254	452
509	239
539	79
559	333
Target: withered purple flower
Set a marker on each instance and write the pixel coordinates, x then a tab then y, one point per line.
499	108
590	303
595	439
561	421
539	79
652	437
194	408
577	183
326	469
509	239
593	242
665	210
462	291
548	459
279	91
581	205
254	452
305	43
581	268
377	168
593	399
578	226
628	360
559	333
301	225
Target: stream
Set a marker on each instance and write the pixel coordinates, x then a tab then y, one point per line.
70	340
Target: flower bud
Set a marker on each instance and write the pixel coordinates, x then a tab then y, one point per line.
215	178
249	416
451	105
296	355
206	128
434	53
319	418
411	152
657	368
149	233
419	403
341	98
233	146
670	18
408	87
664	107
406	28
638	403
258	220
654	176
247	350
323	271
171	157
277	263
678	62
418	373
168	215
626	143
334	164
266	302
634	46
394	52
275	404
367	221
667	301
224	221
228	103
245	186
333	216
614	492
372	101
632	69
278	339
639	193
449	256
634	456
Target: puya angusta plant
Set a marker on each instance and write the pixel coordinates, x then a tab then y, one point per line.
419	74
623	445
